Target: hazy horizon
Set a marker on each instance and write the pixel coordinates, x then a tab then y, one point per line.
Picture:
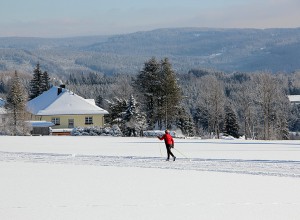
137	31
60	18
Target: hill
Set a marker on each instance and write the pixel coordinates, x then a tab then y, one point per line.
228	50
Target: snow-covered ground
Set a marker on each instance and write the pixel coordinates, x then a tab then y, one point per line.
128	178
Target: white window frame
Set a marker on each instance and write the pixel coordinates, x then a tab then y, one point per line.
55	120
88	120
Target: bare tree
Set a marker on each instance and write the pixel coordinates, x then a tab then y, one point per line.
269	96
211	99
16	102
244	100
123	87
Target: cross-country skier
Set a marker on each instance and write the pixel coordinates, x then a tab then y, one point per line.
169	143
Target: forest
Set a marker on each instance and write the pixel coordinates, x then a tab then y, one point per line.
228	50
201	102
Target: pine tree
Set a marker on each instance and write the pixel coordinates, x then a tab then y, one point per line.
99	101
161	94
231	126
45	82
185	123
16	102
171	93
147	84
116	111
134	121
35	83
40	82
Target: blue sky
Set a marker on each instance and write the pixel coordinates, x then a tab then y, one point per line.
63	18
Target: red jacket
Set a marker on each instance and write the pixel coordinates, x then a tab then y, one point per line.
168	139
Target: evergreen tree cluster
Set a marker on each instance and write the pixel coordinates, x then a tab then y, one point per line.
127	115
40	82
159	92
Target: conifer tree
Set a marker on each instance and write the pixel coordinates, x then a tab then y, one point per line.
134	121
45	82
171	93
116	111
185	123
36	82
161	94
99	101
147	84
231	126
40	82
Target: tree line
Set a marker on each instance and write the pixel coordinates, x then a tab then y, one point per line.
18	93
201	102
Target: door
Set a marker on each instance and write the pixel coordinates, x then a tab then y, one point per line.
71	123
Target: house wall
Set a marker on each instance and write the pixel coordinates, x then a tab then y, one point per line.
79	120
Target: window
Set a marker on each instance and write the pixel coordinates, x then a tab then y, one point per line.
55	121
88	120
71	123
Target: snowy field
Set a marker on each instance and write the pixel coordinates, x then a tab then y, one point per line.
111	178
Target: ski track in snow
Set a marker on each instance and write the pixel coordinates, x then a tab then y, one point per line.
279	168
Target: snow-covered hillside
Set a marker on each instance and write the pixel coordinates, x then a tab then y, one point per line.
128	178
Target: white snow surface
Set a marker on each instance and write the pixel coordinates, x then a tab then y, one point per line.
50	177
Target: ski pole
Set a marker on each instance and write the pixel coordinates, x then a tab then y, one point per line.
181	153
160	150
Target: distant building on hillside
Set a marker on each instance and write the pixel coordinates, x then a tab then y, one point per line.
3	114
65	110
294	99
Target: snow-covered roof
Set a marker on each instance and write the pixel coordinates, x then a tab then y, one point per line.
66	102
40	123
92	101
294	98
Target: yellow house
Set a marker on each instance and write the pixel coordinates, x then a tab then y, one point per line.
65	109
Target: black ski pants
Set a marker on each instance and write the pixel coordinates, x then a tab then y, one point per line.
169	152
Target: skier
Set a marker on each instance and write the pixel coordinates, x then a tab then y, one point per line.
169	143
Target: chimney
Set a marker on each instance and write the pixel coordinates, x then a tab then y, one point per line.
59	90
